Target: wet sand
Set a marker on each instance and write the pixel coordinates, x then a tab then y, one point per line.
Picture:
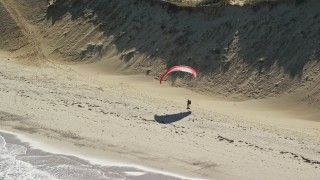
20	160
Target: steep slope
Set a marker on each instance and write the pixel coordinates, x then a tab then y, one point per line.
11	37
257	51
20	36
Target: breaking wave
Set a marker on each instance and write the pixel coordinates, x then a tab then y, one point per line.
21	162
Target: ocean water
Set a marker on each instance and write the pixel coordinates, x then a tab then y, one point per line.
20	161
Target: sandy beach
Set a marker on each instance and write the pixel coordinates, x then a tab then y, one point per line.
81	78
24	158
135	120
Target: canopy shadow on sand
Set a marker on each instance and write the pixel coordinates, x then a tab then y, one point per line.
170	118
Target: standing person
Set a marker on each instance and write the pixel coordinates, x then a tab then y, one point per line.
188	103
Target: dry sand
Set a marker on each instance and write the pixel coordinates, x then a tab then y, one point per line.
108	110
115	116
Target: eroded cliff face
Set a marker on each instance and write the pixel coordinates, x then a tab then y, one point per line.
11	37
256	51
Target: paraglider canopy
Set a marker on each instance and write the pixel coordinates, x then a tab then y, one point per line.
179	68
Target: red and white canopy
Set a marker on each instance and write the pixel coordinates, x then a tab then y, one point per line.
179	68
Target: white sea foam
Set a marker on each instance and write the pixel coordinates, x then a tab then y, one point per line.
12	168
130	173
16	163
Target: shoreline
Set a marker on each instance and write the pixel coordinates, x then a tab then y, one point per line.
54	148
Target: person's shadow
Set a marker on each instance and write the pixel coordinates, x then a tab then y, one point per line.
170	118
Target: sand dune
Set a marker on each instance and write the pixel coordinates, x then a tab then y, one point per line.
84	76
258	51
